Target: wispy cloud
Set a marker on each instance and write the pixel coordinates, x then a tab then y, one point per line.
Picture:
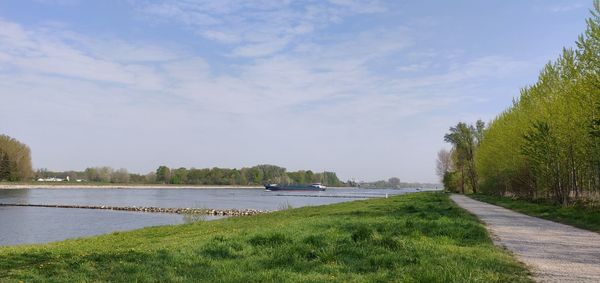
258	28
316	74
565	7
279	71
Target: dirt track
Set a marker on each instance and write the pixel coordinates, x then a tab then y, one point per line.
554	252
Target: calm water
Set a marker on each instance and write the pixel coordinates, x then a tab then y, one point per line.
20	225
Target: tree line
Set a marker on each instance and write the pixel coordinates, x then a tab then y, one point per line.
391	183
15	165
15	160
546	145
256	175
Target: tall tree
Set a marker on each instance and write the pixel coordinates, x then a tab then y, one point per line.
547	144
464	139
15	160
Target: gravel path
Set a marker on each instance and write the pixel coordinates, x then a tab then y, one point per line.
554	252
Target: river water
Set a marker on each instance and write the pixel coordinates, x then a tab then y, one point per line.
24	225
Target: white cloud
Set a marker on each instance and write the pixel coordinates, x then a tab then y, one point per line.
64	54
258	28
126	94
262	48
565	7
221	36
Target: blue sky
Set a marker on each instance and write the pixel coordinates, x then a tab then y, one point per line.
363	88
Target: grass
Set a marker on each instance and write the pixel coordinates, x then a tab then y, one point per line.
421	237
578	216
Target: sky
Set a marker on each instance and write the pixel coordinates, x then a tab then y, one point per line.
366	89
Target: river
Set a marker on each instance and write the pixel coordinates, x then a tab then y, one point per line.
26	225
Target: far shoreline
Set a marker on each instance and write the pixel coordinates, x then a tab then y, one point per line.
8	186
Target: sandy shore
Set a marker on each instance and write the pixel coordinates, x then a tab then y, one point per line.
116	186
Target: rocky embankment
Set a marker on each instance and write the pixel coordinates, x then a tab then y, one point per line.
205	211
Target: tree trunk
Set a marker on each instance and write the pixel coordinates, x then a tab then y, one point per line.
462	179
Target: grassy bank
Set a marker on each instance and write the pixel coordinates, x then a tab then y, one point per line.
420	237
577	216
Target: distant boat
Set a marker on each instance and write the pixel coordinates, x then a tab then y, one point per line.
312	187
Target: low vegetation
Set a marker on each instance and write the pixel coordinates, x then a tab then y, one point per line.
420	237
576	215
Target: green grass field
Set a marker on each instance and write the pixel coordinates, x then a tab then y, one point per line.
419	237
578	216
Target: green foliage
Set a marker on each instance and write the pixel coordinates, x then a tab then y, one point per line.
256	175
163	174
420	237
547	144
465	140
15	160
179	176
451	182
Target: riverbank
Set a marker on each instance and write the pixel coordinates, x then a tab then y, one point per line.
420	237
68	185
578	216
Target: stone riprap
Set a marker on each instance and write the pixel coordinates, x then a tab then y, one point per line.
205	211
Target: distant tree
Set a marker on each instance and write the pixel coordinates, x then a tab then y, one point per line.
297	177
179	176
394	182
105	174
150	177
310	177
15	160
92	174
137	178
352	183
163	174
41	173
120	176
99	174
5	168
256	175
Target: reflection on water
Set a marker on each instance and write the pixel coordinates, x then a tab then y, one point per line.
19	225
